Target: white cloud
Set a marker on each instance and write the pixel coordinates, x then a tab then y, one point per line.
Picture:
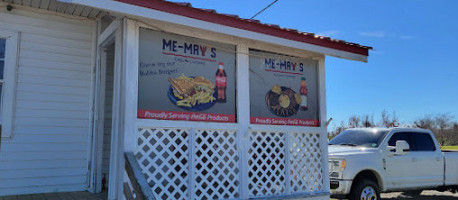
331	33
405	37
384	34
378	34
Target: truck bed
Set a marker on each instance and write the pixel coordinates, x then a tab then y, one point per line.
451	167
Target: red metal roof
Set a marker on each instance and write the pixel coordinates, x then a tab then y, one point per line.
185	9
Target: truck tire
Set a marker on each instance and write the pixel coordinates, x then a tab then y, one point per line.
365	190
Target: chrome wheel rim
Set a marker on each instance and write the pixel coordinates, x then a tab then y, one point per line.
368	193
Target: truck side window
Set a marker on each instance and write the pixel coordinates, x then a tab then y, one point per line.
399	136
423	142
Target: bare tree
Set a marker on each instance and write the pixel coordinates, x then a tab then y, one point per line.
389	120
426	122
368	121
442	126
354	121
444	121
337	130
454	140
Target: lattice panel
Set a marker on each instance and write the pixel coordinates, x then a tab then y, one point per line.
216	167
163	155
266	163
305	163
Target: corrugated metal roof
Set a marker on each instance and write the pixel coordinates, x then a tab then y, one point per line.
210	15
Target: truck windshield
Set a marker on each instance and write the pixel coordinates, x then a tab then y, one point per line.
367	138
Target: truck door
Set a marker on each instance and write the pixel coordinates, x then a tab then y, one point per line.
428	161
400	169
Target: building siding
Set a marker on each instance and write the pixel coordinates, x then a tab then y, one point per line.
48	151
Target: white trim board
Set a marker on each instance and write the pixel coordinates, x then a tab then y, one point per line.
8	96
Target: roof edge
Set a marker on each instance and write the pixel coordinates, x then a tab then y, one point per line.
249	25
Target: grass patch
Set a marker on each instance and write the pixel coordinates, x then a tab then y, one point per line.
449	147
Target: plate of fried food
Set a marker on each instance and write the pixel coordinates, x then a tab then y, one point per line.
283	101
192	93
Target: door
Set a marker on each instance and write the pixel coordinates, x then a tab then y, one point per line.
103	171
400	169
421	167
428	161
106	104
103	118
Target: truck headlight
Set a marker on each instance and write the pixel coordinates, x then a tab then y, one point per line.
337	165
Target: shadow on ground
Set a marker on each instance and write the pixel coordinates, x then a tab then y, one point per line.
422	197
426	195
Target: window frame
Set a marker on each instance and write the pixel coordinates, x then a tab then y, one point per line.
9	82
412	142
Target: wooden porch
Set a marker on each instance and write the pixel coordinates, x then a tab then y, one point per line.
59	196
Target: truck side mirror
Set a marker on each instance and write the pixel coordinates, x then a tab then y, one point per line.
402	148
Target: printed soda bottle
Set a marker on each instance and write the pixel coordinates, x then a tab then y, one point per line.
221	82
303	92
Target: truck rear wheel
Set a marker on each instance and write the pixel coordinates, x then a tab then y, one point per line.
365	190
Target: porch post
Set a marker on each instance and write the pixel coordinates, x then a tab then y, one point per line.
129	91
323	121
243	104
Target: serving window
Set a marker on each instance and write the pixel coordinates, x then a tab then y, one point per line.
283	89
184	78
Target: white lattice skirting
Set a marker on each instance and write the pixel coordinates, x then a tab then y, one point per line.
206	164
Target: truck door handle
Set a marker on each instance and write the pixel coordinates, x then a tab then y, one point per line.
438	159
414	159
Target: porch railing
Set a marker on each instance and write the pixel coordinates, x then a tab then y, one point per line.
224	164
136	187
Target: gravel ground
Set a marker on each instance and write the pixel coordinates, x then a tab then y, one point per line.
425	195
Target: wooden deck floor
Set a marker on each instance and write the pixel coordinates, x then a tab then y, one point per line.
59	196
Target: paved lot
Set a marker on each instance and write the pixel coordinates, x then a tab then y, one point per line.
425	195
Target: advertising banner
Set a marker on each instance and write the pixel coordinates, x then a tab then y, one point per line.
184	78
283	90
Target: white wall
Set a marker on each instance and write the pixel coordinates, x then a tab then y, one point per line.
48	151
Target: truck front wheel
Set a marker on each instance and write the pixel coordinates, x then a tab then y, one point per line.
365	190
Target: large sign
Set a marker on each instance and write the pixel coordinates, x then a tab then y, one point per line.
184	78
283	90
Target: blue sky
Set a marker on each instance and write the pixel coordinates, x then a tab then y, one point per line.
413	69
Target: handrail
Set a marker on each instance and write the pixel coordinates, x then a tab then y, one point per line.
141	189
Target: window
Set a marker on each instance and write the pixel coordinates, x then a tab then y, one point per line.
367	138
400	136
417	141
8	61
423	142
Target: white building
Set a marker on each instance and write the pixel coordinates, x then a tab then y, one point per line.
85	81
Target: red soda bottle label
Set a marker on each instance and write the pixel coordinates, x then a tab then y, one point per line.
220	81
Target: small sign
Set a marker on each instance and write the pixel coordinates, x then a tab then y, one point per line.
283	90
184	78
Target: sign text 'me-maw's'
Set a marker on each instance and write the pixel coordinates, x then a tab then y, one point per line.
184	78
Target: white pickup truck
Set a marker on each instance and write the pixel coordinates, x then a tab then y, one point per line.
365	162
